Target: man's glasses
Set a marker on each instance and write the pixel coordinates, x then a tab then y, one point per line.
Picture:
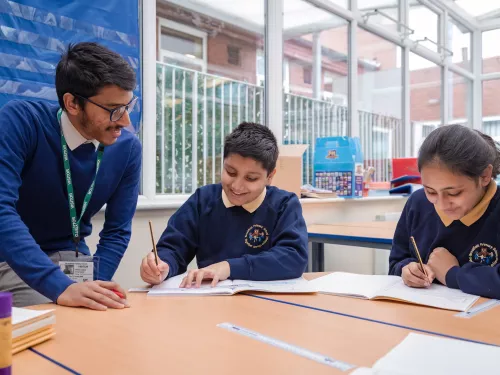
117	113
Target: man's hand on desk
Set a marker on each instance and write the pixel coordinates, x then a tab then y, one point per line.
215	272
152	273
95	295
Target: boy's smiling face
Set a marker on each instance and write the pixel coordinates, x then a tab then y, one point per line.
244	179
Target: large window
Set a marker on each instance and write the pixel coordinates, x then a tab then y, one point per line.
315	67
379	102
425	25
460	102
491	109
210	78
425	98
491	51
459	40
182	45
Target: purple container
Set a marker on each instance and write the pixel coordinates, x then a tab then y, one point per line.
5	305
5	312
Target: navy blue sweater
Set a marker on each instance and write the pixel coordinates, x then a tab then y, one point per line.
474	246
268	244
34	212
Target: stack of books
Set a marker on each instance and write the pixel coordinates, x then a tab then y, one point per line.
31	327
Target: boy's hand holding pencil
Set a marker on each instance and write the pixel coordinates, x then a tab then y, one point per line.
153	269
152	273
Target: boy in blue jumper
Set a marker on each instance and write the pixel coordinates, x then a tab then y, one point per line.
239	229
50	153
455	218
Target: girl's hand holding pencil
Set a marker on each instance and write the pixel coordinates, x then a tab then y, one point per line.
417	274
413	276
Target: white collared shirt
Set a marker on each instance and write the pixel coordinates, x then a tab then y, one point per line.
73	137
251	206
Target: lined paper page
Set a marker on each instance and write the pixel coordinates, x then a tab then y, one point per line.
436	295
174	282
350	284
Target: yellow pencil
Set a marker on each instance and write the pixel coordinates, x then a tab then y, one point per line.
154	243
412	240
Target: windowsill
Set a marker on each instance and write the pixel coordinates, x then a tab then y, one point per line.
162	202
357	200
170	202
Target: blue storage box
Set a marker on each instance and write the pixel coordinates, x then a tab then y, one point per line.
338	166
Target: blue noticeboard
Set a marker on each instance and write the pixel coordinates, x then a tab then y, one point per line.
35	33
338	166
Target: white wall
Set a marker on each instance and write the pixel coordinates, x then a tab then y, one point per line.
337	258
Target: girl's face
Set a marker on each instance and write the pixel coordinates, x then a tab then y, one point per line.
453	194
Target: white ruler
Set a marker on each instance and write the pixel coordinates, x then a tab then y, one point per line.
288	347
479	309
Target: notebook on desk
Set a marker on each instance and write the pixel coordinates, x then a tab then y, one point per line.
31	327
374	287
430	355
230	287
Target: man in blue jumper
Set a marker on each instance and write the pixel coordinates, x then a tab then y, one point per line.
59	165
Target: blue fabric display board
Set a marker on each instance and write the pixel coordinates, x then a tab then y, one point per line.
338	166
35	33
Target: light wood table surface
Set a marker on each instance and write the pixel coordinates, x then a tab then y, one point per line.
484	327
179	335
27	362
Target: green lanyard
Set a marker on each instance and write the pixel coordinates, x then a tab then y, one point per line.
75	223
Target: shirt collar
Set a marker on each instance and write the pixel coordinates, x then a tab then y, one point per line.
73	137
476	213
250	207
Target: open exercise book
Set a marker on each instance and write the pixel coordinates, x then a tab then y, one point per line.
230	287
392	288
421	354
31	327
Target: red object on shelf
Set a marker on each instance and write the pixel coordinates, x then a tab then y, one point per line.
404	167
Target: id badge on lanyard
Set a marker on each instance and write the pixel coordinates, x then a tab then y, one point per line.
80	267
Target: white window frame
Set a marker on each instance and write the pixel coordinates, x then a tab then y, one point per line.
389	133
162	53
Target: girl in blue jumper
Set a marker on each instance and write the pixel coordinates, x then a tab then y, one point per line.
455	217
239	229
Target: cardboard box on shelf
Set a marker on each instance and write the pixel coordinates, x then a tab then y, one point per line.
289	168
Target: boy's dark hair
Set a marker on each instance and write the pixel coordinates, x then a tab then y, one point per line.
255	141
461	149
86	68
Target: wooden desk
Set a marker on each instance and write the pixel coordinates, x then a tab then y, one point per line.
484	327
376	234
178	335
27	362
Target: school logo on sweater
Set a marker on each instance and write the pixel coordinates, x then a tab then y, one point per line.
484	254
256	236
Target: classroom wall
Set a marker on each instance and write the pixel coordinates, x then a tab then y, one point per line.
337	258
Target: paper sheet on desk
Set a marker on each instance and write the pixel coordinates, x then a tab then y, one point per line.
430	355
230	287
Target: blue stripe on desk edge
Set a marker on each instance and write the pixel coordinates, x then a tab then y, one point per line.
54	361
368	319
319	236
